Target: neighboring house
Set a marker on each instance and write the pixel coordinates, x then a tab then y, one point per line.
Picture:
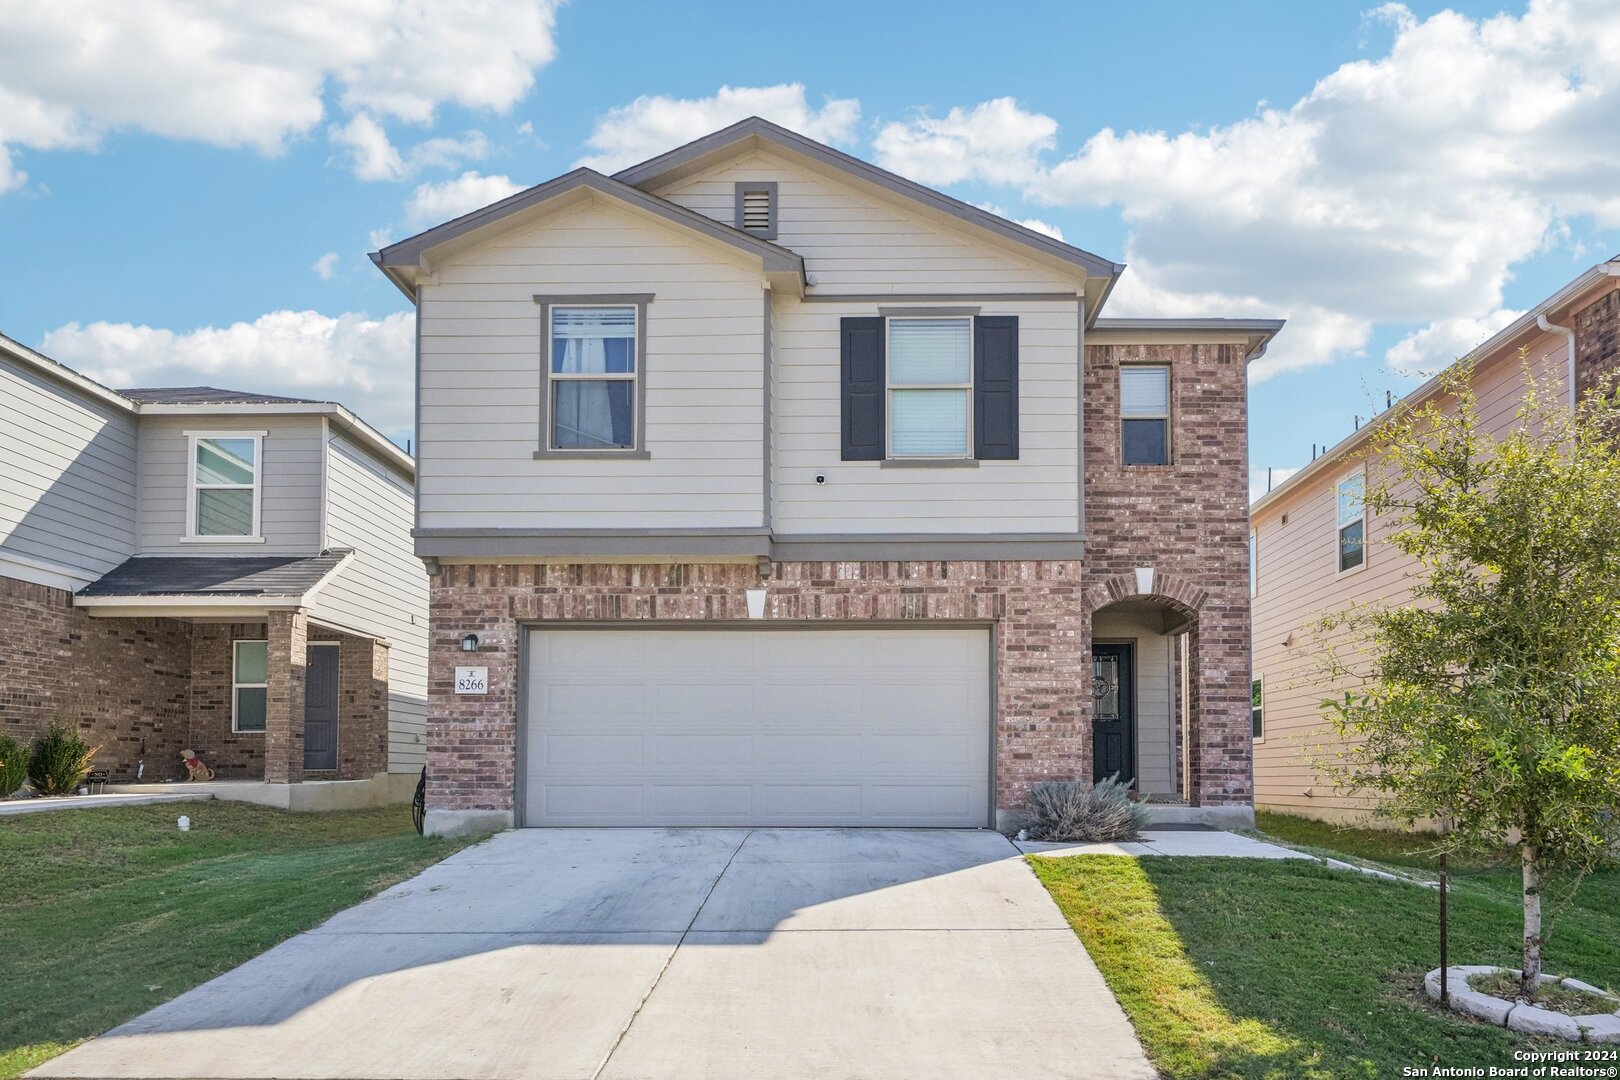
1314	551
762	486
203	569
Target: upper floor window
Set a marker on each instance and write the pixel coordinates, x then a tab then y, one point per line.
592	379
1144	411
1254	564
930	389
224	480
1351	495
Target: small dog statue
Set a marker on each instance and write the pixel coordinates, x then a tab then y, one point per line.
195	769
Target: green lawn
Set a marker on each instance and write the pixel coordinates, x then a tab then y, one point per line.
108	912
1245	968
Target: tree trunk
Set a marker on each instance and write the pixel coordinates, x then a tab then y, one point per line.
1530	983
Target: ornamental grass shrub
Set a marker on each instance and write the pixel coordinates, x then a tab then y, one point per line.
1069	810
60	760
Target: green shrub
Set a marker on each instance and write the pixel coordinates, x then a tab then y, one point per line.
60	760
13	766
1070	810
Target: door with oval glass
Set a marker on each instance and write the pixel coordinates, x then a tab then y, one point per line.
1113	712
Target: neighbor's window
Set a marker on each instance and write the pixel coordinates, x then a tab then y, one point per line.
249	667
1144	411
1256	720
1352	491
224	485
593	378
1254	564
930	388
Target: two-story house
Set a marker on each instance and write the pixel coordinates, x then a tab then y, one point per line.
759	485
1315	549
214	571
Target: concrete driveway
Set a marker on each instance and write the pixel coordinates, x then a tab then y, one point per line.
668	953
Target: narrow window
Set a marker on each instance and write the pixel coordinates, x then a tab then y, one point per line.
250	662
1144	410
224	486
593	378
1352	521
756	208
1254	564
930	388
1256	700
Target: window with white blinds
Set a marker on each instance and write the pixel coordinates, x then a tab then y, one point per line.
930	365
593	378
1144	412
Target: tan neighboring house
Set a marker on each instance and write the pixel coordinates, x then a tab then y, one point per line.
225	572
761	486
1313	550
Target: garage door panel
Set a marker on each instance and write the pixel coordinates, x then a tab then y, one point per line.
758	727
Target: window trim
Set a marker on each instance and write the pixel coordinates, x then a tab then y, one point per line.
235	686
192	487
638	413
1260	682
1168	417
746	187
889	386
1339	526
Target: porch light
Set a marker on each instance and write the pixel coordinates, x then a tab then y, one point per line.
469	643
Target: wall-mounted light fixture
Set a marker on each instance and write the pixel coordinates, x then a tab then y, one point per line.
469	643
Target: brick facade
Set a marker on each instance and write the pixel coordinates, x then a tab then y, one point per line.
148	689
122	682
1597	341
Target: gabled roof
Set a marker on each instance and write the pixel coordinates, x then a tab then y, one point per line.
410	253
700	153
210	395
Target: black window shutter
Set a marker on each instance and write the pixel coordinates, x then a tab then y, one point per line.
995	387
862	376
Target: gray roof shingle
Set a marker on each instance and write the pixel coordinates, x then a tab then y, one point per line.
209	395
194	575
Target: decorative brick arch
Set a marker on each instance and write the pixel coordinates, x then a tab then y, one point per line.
1166	590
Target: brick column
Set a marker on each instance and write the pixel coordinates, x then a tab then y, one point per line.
288	633
363	708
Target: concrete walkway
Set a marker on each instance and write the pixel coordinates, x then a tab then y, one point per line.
92	802
1186	842
663	953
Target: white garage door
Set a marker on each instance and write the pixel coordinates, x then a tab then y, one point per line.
757	727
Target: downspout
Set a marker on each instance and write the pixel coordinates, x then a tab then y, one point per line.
1569	339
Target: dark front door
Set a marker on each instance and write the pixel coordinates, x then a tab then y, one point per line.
1113	714
321	708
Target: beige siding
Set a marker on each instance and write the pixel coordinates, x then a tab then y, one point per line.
481	381
1038	493
856	241
290	482
1155	693
383	590
67	481
1299	583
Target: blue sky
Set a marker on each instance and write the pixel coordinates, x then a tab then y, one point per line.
1398	181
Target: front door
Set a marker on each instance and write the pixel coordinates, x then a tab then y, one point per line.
321	707
1113	714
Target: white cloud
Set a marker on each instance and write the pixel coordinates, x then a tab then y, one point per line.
240	73
651	125
434	204
372	156
364	363
326	266
1403	188
1435	346
995	141
1258	480
1036	224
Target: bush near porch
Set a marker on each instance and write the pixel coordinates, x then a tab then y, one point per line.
109	912
1247	968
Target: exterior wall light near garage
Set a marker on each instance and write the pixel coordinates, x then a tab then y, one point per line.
469	643
756	603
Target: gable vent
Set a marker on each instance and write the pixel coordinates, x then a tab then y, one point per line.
756	209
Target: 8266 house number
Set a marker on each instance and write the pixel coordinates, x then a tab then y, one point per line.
472	680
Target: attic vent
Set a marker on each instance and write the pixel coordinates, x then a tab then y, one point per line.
756	209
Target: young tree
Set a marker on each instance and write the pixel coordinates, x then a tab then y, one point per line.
1492	699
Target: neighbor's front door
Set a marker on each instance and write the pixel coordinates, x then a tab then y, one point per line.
321	707
1113	720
